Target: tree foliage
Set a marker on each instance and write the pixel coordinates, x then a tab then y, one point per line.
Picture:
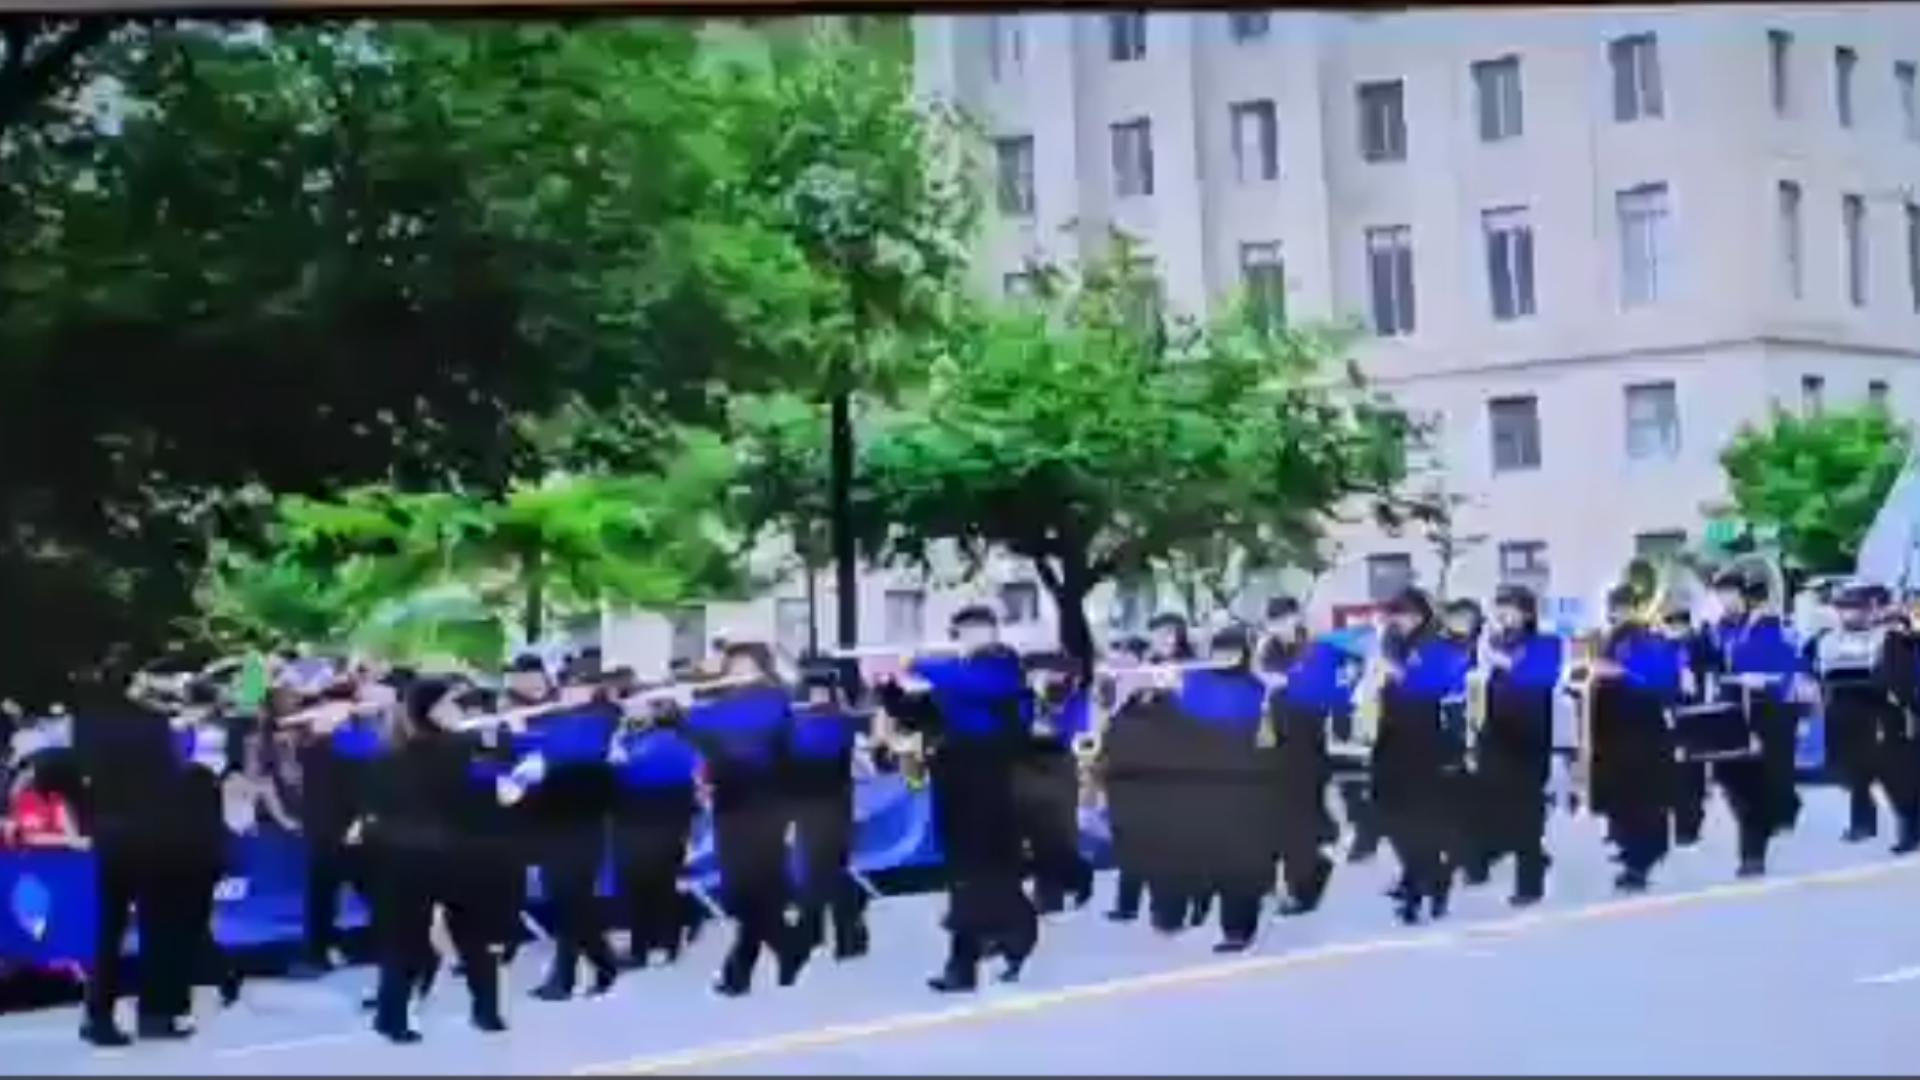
1816	481
312	256
1072	434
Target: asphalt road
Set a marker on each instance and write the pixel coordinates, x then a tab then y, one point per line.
1815	969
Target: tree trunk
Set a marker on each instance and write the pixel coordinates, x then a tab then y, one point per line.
1069	585
533	620
840	496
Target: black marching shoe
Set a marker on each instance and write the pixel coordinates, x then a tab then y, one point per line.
1908	841
1439	903
791	962
163	1029
489	1021
1232	945
1751	868
1476	873
229	989
603	980
397	1034
1859	834
1016	963
1293	909
104	1034
954	981
1407	909
552	991
1631	881
1122	915
1525	898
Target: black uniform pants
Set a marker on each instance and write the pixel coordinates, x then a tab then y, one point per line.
1760	789
1511	803
1363	819
1689	801
750	838
823	821
1898	768
1300	797
1047	800
332	864
650	830
1853	746
407	886
978	826
148	886
570	860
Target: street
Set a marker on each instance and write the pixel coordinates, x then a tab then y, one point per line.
1815	969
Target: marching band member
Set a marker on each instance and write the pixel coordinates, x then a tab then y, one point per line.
656	772
567	807
820	787
202	743
1863	686
1224	784
743	733
1169	640
420	833
1899	754
1634	680
973	708
1689	794
1047	785
1758	664
1415	751
1126	715
1462	625
335	760
1514	752
133	797
1310	685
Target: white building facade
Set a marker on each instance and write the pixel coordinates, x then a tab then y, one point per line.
1588	244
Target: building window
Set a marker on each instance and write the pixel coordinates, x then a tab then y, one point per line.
1017	286
1636	78
1653	422
1515	423
1644	253
1383	121
1020	603
1127	37
689	643
1496	85
1263	276
1903	86
1878	393
1845	60
1014	190
793	625
1853	225
1006	46
1813	394
1913	253
1509	235
1524	562
1390	273
906	616
1133	158
1256	141
1780	70
1248	26
1388	576
1661	546
1792	262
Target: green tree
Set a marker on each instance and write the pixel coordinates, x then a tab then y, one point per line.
1073	435
1816	481
311	256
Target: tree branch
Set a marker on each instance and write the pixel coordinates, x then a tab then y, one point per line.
26	81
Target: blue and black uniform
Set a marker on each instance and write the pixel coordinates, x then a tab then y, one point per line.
743	736
1221	815
1633	746
1047	790
567	812
423	809
820	790
974	717
1416	758
1689	796
1761	790
656	779
135	811
1316	691
1513	756
1866	683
